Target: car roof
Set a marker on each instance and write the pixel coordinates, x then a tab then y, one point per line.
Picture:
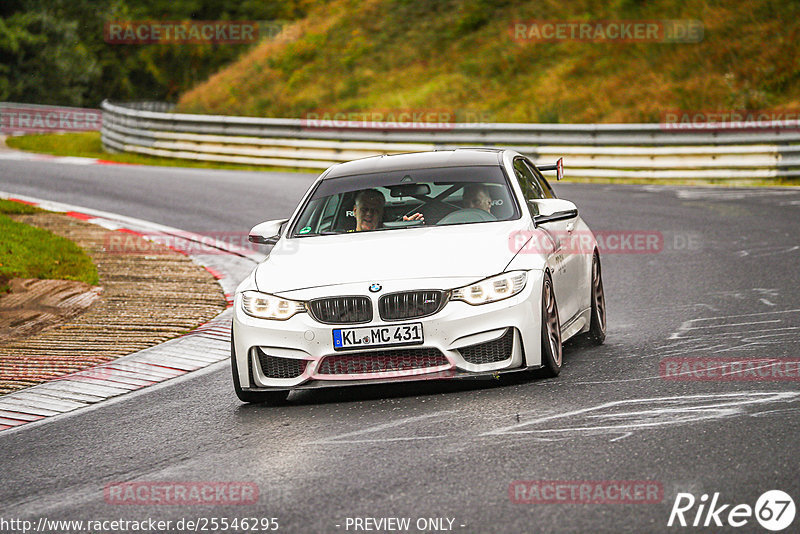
461	157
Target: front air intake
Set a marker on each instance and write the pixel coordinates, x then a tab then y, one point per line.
275	367
491	351
381	361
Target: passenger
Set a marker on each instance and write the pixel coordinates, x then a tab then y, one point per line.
476	196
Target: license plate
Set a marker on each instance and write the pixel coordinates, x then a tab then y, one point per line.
377	336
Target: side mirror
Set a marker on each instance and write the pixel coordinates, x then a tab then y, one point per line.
552	210
266	233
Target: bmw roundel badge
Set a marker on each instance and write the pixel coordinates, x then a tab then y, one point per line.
374	288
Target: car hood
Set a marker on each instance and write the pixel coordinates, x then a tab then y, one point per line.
472	251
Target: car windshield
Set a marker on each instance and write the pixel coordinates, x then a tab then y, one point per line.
397	200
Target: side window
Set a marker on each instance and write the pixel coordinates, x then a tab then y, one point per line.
309	218
344	219
328	213
540	183
535	182
526	181
548	191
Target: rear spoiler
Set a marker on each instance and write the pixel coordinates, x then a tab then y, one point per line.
558	166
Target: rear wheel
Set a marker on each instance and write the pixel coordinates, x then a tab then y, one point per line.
551	330
597	327
269	397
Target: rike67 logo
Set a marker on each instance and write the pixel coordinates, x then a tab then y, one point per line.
774	511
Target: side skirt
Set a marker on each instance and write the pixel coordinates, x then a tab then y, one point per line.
578	324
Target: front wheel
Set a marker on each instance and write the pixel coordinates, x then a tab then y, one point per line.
255	397
551	330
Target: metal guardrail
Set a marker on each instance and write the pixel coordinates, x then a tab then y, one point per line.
589	150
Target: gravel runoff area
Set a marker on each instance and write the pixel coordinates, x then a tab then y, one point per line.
148	294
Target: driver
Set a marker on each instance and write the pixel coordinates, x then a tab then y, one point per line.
476	196
368	210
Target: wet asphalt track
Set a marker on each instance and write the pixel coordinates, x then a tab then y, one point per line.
725	285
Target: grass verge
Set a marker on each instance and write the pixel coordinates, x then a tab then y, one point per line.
29	252
88	145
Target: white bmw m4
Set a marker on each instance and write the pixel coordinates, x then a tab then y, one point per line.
432	265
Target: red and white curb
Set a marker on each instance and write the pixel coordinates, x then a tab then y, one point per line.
201	348
71	160
12	154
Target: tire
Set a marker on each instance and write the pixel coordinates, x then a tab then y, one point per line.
597	326
255	397
551	331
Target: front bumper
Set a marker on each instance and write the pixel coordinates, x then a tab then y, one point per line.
456	326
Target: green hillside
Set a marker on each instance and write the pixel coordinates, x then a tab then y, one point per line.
456	55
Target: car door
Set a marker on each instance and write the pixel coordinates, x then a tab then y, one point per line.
555	232
532	193
575	253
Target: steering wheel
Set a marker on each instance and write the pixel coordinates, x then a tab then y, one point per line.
467	215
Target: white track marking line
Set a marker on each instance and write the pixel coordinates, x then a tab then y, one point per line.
378	440
618	438
726	407
745	315
727	325
693	324
380	427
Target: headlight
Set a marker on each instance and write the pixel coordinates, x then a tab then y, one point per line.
492	289
266	306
